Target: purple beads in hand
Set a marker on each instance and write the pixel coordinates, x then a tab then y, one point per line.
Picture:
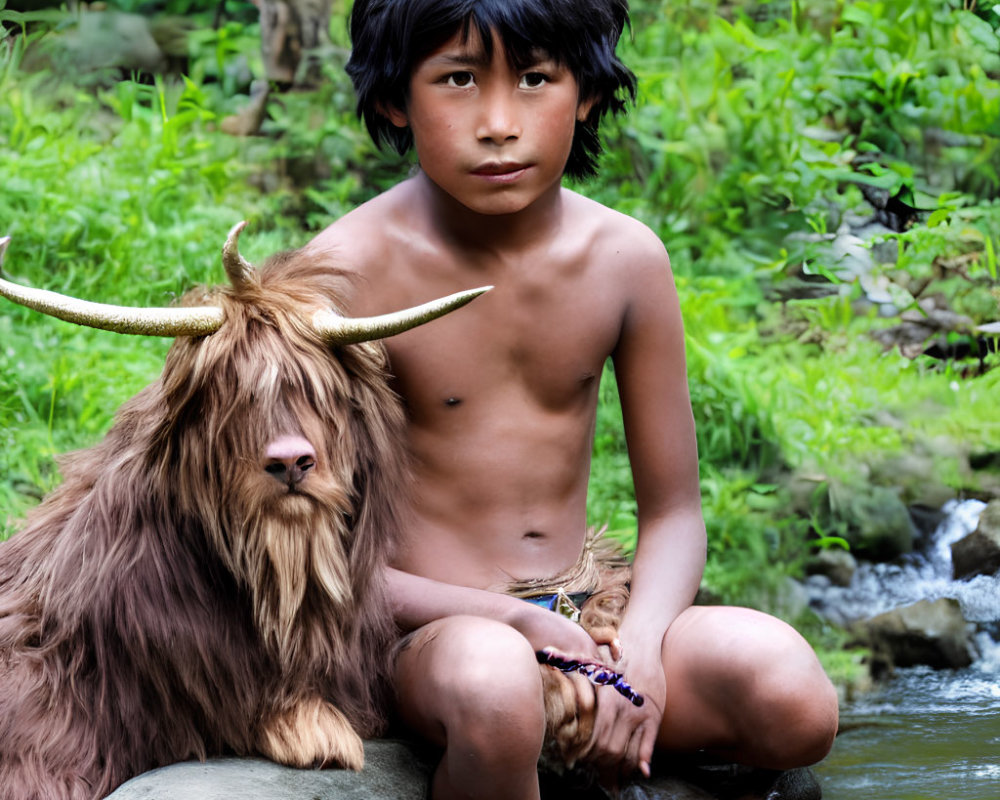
596	674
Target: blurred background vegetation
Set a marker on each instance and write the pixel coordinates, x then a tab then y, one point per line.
824	174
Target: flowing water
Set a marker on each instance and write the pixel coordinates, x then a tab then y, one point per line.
925	735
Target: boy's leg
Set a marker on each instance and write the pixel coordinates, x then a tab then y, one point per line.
472	686
746	686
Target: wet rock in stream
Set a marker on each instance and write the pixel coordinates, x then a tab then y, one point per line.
932	633
979	552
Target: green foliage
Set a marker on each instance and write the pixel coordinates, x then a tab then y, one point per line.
757	124
760	129
121	196
747	125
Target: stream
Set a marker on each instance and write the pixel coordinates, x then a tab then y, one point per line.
926	734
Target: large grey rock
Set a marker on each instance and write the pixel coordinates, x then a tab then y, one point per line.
979	552
395	771
392	772
931	633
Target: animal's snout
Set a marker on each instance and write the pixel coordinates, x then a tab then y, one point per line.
289	459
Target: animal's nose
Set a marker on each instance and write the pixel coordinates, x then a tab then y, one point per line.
289	459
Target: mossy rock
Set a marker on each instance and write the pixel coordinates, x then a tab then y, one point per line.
874	520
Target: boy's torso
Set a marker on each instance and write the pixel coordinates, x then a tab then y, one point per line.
501	396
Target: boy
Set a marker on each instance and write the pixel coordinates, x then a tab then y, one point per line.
500	99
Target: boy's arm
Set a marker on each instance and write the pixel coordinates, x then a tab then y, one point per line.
670	552
418	601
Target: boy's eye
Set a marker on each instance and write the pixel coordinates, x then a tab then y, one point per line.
532	80
460	79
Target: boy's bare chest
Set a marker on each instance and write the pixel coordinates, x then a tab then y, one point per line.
530	345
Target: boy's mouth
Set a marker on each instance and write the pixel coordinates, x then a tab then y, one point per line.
500	171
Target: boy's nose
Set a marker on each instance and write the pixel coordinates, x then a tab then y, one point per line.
499	122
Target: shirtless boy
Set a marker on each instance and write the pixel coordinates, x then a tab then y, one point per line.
500	99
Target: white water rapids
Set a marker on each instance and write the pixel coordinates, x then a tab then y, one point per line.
927	734
923	575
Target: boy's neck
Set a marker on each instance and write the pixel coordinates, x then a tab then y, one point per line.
492	233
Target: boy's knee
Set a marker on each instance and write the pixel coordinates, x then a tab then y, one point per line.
799	705
487	683
768	683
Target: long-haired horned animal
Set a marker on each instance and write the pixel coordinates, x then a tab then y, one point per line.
207	579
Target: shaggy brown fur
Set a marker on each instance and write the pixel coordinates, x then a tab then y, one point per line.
172	600
603	571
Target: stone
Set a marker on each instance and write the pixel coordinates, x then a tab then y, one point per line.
932	633
835	563
106	39
879	524
664	789
396	770
979	552
393	771
726	782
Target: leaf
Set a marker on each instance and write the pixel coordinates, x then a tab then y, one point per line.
979	30
938	217
825	542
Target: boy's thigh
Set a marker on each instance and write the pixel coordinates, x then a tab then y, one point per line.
721	638
725	662
735	646
453	667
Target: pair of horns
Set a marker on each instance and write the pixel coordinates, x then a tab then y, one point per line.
203	320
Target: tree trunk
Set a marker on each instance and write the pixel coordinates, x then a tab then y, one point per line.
293	33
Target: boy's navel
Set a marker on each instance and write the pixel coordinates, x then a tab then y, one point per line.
453	401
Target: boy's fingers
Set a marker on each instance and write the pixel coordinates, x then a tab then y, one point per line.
614	747
585	693
617	651
555	657
641	749
647	742
608	636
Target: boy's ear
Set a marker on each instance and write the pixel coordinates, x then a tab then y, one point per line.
584	107
395	115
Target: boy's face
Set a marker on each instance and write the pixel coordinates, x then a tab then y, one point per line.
492	136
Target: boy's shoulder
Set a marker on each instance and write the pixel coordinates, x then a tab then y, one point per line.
370	240
382	237
589	207
372	224
619	237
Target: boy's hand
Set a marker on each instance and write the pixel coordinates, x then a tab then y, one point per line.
556	634
624	734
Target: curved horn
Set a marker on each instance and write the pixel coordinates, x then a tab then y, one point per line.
120	319
239	270
346	330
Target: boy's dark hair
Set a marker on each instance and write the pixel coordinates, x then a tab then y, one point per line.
391	36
